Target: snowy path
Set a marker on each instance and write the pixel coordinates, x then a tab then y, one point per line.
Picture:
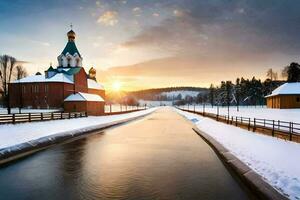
278	161
11	135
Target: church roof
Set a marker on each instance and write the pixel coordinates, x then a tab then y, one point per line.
71	49
287	89
73	70
65	70
60	77
80	96
94	85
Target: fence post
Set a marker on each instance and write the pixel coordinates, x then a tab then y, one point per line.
29	117
290	131
52	116
14	118
61	115
69	115
249	124
273	128
254	126
231	120
42	117
235	121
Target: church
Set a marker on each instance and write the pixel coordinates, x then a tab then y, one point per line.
66	87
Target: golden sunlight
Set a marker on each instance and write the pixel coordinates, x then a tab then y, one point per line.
116	86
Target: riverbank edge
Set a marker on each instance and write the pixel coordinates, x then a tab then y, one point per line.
18	151
250	178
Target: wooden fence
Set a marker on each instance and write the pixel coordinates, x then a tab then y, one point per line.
34	117
276	128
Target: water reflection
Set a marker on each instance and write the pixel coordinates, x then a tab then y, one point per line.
124	163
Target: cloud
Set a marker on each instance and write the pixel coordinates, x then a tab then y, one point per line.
98	3
178	13
108	18
46	44
225	28
155	15
137	11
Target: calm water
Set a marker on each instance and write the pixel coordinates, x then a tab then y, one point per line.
159	157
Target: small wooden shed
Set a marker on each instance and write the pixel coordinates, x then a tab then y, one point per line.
285	96
84	102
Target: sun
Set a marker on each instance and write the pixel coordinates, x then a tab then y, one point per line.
116	86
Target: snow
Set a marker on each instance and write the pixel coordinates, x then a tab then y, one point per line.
155	103
289	115
276	160
94	85
183	93
11	135
286	89
59	77
27	110
80	96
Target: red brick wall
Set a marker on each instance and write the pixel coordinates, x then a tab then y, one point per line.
80	81
91	107
101	93
95	108
39	95
75	106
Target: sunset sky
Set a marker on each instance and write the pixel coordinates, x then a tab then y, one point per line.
145	44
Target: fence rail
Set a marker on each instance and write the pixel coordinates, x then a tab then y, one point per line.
34	117
278	128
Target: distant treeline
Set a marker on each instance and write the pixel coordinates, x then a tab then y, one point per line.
246	91
156	93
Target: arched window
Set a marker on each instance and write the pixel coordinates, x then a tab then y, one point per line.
69	61
77	61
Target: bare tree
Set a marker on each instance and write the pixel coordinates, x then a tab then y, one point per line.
271	74
21	72
284	72
7	66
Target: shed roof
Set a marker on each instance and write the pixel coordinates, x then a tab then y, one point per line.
80	96
286	89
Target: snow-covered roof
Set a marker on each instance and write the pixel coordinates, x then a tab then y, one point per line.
80	96
94	85
286	89
59	77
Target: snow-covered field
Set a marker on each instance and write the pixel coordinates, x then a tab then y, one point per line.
115	108
289	115
11	135
183	93
151	104
276	160
25	110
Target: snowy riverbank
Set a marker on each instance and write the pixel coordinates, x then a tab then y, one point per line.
289	115
276	160
11	135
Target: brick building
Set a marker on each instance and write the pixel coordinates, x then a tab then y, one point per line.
67	86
